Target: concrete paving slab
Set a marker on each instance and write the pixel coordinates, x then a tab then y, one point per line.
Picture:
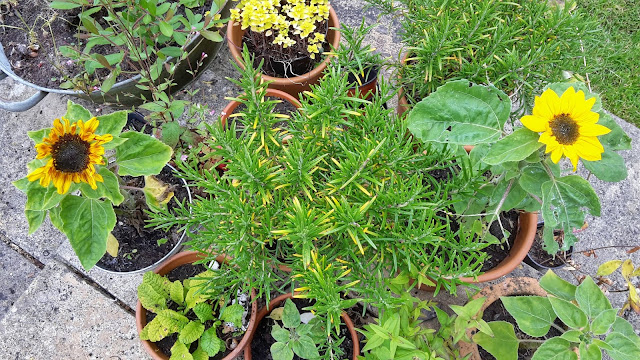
62	317
17	150
16	274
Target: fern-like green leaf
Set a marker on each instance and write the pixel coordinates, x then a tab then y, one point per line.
177	292
191	332
155	331
160	284
233	314
150	298
172	320
203	311
210	342
179	351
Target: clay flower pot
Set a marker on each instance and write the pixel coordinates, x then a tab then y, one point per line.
279	301
231	107
369	86
188	257
510	287
403	103
291	85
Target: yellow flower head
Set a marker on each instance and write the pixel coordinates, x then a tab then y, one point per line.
568	126
73	150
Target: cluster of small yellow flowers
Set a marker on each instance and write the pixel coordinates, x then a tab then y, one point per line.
285	20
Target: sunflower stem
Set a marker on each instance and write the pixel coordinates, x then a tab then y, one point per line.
126	187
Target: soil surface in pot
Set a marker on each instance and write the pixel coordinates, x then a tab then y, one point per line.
262	340
31	33
498	252
541	256
180	273
497	312
285	63
140	246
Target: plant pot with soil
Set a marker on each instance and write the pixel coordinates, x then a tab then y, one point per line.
288	311
541	260
549	318
203	325
519	172
292	47
93	50
77	183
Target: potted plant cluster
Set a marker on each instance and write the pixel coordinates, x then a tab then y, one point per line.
288	37
516	46
125	52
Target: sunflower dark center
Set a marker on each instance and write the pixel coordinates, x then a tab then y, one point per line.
565	129
70	154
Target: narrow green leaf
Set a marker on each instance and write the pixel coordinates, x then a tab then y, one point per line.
608	268
166	28
211	35
177	293
570	314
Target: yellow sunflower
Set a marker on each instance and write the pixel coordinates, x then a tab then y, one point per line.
73	149
568	126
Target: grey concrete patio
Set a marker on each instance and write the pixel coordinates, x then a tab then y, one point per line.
51	308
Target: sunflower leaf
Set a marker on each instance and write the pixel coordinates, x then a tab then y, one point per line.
87	223
142	155
617	139
76	112
35	219
611	168
38	136
112	123
563	202
515	147
461	112
44	198
109	188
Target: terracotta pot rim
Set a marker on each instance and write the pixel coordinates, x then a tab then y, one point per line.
515	286
281	298
236	53
187	257
233	104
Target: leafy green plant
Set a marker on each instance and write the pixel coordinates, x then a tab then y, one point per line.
516	46
77	183
358	58
183	308
627	271
520	175
585	311
400	334
294	336
151	38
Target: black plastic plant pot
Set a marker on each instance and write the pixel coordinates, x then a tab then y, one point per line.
549	262
369	84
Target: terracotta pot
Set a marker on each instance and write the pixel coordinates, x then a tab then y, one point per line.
369	87
231	107
403	103
509	287
292	85
280	300
521	245
183	258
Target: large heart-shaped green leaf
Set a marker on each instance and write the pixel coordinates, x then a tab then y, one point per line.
460	112
555	349
557	286
76	112
515	147
109	188
611	167
570	314
141	155
533	314
87	223
591	299
112	123
503	345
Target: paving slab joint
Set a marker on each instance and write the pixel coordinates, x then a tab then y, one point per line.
80	275
21	251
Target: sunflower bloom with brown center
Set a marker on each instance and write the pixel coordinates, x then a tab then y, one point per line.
568	126
73	150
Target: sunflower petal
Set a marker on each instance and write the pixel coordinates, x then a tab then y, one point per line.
534	123
556	154
571	153
593	130
546	105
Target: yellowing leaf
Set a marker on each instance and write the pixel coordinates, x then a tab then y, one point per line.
627	269
112	245
609	267
276	314
157	193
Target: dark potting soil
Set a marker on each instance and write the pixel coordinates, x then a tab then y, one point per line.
497	312
290	62
139	245
262	340
498	252
184	272
541	256
31	33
